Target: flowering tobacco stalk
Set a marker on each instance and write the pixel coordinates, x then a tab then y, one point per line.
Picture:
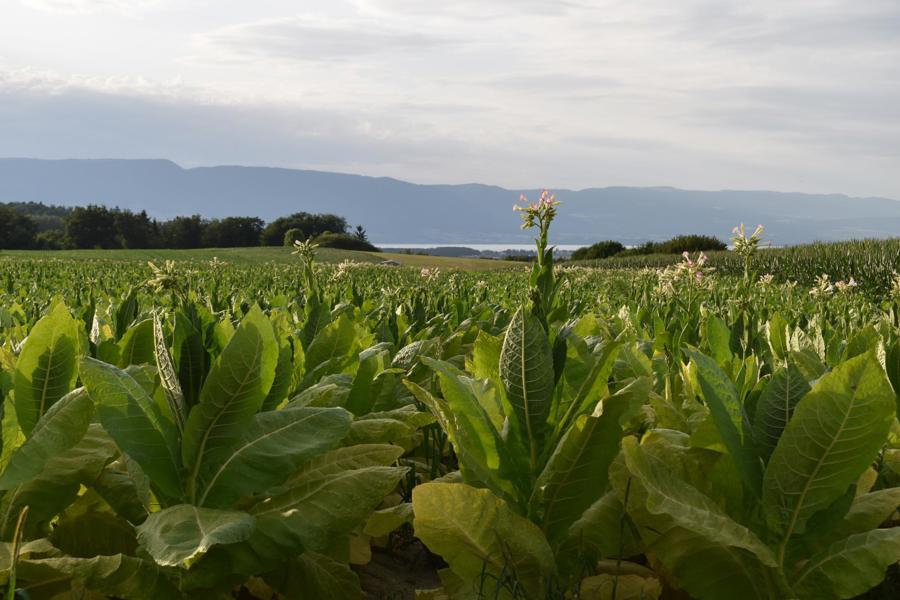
169	278
544	286
306	250
746	246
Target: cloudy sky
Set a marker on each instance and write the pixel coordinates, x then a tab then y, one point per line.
799	95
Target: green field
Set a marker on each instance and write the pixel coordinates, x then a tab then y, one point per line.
275	426
257	255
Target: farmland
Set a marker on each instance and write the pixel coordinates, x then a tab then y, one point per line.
261	424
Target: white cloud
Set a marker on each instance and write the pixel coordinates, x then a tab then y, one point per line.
694	93
311	38
76	7
470	9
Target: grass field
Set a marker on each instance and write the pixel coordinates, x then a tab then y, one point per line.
265	254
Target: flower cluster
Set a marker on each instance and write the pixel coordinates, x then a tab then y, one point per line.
746	245
537	214
429	274
691	271
695	269
766	280
823	286
343	269
164	278
845	286
305	249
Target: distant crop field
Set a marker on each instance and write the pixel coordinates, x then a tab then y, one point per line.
258	255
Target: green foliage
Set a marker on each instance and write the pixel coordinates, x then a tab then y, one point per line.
293	235
27	225
344	241
311	225
17	231
603	249
253	431
46	369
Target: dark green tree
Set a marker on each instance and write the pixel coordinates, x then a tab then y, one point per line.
360	233
603	249
310	224
344	241
134	230
92	226
233	232
183	232
17	231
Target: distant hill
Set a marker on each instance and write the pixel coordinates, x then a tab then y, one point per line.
399	212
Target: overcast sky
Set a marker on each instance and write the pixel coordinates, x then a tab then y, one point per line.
800	95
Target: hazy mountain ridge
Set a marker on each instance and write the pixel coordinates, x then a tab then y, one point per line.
397	211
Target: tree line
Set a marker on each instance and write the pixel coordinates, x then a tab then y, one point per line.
25	226
676	245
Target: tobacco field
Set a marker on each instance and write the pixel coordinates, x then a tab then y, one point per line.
200	429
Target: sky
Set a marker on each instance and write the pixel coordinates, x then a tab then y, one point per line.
799	95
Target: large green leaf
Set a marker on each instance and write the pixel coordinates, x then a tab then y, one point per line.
725	408
233	392
60	428
526	370
117	576
849	567
718	338
477	533
777	335
329	497
868	511
135	422
371	362
47	367
11	436
399	427
603	530
592	385
775	407
687	507
468	424
836	431
126	489
137	346
485	360
281	385
94	533
892	367
334	342
576	474
179	535
190	357
313	576
711	571
273	446
58	483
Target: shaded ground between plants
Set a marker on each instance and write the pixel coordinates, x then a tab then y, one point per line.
396	573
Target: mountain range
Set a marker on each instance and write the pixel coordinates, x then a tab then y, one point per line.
398	212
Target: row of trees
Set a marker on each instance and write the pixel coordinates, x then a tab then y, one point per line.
95	226
676	245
